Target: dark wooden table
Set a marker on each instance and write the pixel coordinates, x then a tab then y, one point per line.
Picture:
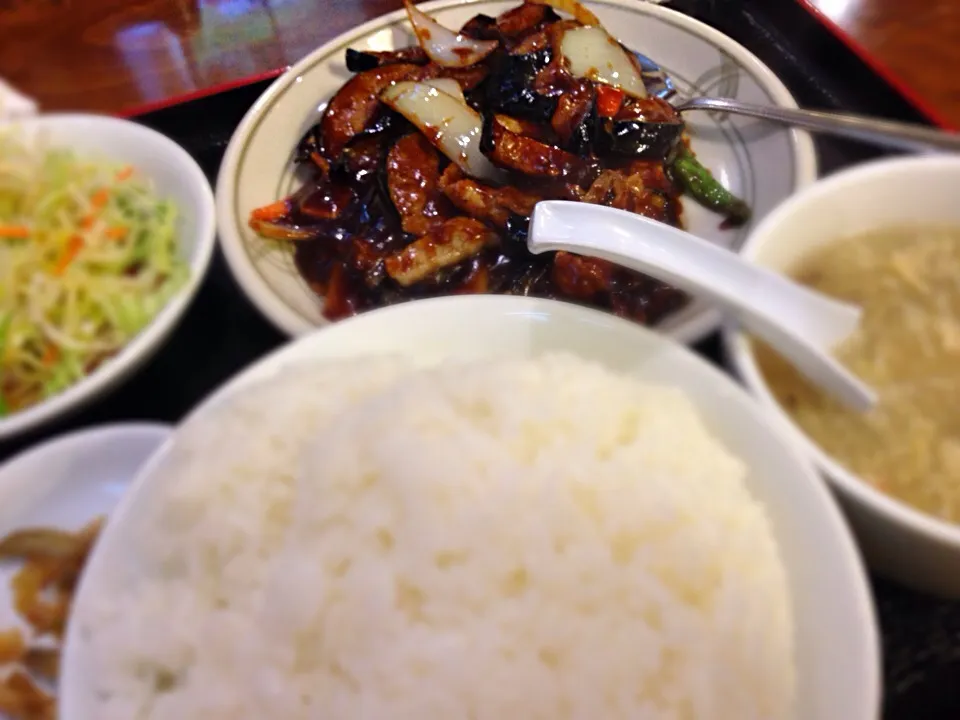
114	55
118	55
918	41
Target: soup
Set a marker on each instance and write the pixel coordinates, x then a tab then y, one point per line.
907	280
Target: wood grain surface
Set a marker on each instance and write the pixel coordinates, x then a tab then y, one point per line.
917	40
110	55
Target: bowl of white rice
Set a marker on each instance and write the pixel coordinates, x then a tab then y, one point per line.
475	507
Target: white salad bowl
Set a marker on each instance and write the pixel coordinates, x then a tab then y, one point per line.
175	176
897	540
837	652
763	163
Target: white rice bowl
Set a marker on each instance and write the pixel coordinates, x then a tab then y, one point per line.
506	540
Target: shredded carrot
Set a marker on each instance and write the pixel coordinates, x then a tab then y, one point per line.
100	198
116	232
74	245
86	222
124	173
273	211
50	355
609	100
14	231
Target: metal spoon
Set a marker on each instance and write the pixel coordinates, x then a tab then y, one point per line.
903	136
802	325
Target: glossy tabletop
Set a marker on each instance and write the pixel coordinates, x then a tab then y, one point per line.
918	41
114	55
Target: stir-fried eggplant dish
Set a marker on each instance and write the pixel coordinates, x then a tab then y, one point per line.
426	166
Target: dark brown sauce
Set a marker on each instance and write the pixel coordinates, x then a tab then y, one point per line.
354	226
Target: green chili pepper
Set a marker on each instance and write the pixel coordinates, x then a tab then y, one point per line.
706	189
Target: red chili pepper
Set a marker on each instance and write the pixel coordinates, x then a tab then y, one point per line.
609	100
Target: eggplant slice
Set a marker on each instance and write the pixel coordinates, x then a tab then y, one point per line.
481	27
362	60
525	155
355	105
524	19
491	205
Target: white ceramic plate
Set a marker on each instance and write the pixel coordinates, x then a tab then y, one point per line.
837	650
176	176
67	482
762	162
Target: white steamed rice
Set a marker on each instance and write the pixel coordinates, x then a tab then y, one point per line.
518	540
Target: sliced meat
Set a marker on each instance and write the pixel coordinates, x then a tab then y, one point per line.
450	175
534	42
489	204
652	174
531	157
582	278
553	78
524	18
608	185
451	243
355	105
413	174
573	109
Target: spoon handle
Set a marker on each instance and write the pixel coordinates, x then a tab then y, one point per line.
904	136
801	324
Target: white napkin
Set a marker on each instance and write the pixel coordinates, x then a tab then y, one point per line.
14	105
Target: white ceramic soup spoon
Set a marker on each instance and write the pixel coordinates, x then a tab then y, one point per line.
802	325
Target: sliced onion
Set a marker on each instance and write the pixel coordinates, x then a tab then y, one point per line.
444	46
452	126
449	86
591	53
572	7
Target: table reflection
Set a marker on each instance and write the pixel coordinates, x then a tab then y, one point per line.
110	54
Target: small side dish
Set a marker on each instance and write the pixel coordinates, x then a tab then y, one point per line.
42	588
908	348
89	255
425	166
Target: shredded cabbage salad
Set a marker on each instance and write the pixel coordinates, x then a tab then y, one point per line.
88	256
